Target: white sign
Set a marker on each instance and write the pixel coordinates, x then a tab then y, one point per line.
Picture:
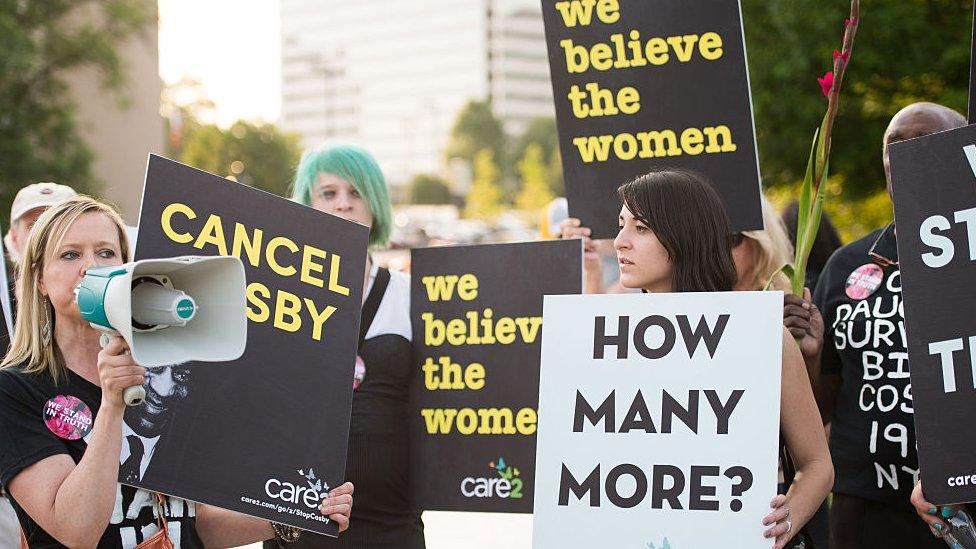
658	420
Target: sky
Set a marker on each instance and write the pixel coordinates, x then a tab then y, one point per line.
232	47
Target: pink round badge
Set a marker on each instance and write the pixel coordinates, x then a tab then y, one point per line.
359	374
864	281
68	417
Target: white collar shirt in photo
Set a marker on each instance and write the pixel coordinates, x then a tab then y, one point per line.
148	444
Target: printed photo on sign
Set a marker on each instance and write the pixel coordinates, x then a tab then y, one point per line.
285	404
658	419
647	84
933	180
477	322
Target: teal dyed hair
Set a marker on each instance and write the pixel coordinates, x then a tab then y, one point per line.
359	168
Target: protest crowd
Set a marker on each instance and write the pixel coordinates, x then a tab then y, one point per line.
795	383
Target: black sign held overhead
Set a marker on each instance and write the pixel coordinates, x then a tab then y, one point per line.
648	84
476	313
264	435
934	190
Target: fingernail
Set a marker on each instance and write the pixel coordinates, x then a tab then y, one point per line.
947	512
932	510
938	526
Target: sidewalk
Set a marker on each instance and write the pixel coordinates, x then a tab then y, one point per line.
473	531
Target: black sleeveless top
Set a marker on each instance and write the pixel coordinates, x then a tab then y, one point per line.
378	461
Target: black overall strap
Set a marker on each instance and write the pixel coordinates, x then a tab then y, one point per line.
372	303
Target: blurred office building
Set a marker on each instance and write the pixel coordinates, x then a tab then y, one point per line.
394	75
122	128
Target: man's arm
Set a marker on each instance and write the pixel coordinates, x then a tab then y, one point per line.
805	322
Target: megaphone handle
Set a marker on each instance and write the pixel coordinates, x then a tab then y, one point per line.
133	396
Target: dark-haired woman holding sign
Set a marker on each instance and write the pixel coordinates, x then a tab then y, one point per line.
345	180
674	237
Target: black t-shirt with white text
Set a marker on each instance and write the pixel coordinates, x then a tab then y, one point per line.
872	436
25	439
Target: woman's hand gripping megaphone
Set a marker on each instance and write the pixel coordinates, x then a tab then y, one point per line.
133	395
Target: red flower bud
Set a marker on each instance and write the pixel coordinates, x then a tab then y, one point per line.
843	56
849	22
826	83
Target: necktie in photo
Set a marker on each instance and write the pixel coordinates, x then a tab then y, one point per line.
130	468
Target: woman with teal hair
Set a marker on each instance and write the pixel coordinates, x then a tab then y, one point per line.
344	180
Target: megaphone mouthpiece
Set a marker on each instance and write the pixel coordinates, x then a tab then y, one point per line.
155	305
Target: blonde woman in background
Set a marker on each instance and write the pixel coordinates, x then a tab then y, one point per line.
759	254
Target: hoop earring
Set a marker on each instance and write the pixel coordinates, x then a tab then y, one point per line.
46	327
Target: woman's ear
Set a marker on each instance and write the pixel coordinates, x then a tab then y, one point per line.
40	284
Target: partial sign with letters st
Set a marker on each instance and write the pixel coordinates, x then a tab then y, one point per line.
658	419
647	84
477	327
264	435
934	190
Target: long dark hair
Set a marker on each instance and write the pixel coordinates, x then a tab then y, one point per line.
687	216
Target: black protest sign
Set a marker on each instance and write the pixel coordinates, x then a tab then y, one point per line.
648	84
264	435
476	313
934	190
972	71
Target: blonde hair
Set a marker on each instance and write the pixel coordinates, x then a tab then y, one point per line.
771	250
33	309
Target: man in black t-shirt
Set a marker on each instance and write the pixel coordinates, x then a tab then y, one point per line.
857	358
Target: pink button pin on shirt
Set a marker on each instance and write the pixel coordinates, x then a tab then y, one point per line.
864	281
68	417
359	374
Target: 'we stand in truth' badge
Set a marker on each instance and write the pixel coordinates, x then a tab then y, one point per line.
68	417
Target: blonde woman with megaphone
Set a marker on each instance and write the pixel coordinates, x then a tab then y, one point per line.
61	409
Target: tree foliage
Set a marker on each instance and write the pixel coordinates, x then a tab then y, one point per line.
476	128
532	168
429	189
39	43
254	154
484	199
539	131
906	51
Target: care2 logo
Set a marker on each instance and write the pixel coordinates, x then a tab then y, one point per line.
311	495
506	484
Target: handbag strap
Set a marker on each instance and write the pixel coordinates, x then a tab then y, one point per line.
372	304
160	513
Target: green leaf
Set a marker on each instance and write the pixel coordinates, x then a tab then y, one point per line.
806	195
785	269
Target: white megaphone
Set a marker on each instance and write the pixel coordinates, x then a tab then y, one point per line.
168	311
